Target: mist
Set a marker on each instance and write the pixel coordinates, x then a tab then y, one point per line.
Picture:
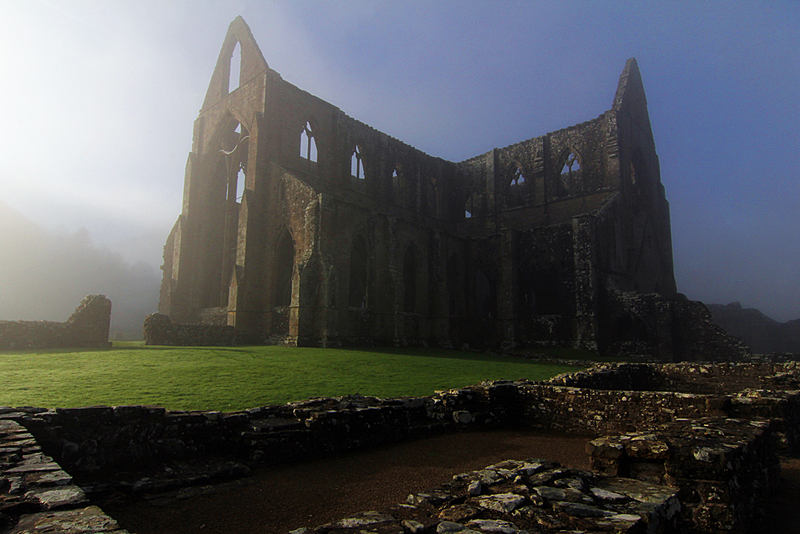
45	275
101	97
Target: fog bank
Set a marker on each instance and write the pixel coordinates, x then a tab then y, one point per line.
44	275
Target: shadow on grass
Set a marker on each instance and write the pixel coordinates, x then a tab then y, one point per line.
429	352
576	355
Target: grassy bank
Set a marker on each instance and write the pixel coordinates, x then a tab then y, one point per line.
231	378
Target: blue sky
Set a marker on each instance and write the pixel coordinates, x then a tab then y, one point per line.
98	101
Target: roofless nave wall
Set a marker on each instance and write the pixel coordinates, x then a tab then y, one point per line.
302	225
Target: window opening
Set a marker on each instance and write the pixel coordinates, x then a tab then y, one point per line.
240	184
357	164
236	68
308	145
469	208
410	280
569	173
517	178
571	164
358	274
516	186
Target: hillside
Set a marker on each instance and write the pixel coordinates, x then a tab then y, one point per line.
761	333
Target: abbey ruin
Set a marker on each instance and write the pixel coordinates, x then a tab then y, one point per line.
301	225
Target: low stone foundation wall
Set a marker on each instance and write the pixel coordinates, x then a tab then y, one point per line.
739	443
103	438
36	495
724	469
87	327
705	378
730	378
158	329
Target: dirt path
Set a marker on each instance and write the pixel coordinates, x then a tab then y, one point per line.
284	498
316	492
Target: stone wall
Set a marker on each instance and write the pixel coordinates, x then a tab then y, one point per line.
37	495
158	329
746	427
87	327
724	468
98	438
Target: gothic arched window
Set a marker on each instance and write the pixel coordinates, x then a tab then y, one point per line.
308	145
516	187
570	174
357	164
235	68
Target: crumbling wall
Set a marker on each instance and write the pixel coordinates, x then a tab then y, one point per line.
159	329
129	434
87	327
725	469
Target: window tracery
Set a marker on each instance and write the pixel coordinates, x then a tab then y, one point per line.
569	178
308	143
357	164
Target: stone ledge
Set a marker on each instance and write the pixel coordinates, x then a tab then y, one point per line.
36	495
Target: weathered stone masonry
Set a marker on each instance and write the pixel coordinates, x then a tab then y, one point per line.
305	226
714	448
87	327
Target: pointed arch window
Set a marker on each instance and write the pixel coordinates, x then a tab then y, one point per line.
308	144
240	179
570	174
516	187
396	186
357	164
235	68
235	151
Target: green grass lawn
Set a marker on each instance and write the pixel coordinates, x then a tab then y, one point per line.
232	378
